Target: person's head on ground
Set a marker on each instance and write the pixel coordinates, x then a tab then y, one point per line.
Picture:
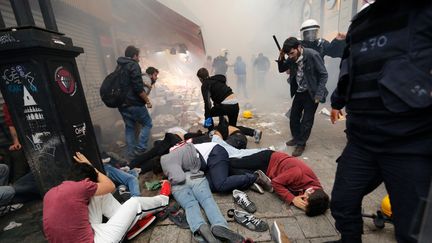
202	74
132	52
156	165
317	202
292	47
152	73
81	171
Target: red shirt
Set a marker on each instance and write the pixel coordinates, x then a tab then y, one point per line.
290	176
7	116
65	212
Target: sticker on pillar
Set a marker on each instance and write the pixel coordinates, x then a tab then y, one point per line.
39	134
80	131
65	81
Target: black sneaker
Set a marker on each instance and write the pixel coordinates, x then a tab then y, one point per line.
298	151
243	200
291	142
226	234
248	220
264	181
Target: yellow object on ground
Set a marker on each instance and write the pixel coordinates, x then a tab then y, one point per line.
386	206
247	114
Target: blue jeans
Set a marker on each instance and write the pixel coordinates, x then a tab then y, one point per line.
6	192
191	193
124	178
131	116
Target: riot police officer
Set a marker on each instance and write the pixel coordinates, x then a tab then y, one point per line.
309	33
385	85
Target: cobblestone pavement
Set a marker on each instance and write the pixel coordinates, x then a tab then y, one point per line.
324	146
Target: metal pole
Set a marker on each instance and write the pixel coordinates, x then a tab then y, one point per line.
48	15
2	23
22	12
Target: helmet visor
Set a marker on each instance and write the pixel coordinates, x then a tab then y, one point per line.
310	35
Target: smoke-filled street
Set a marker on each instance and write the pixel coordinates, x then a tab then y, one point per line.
215	121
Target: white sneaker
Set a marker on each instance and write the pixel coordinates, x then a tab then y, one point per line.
10	208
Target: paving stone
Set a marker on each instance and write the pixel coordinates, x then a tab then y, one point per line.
144	237
382	237
302	241
317	226
269	205
170	233
224	207
324	239
290	226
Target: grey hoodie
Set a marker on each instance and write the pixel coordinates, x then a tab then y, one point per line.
180	160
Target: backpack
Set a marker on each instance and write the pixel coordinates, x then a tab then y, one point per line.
114	88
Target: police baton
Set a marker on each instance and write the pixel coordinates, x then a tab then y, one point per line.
277	42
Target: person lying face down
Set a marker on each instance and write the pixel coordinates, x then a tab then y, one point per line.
292	179
213	160
235	136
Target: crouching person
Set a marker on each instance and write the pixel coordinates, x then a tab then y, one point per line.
73	210
191	189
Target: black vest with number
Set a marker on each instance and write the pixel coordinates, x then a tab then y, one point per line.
390	61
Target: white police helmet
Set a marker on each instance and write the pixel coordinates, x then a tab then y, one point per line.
309	30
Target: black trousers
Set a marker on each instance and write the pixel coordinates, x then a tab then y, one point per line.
220	110
160	147
217	173
406	177
302	117
251	163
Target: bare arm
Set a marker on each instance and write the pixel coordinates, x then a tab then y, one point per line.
16	144
104	184
146	99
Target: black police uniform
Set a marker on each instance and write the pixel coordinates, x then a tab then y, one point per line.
325	48
385	84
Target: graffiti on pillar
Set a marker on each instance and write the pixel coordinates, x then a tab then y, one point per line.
39	134
16	76
7	38
65	81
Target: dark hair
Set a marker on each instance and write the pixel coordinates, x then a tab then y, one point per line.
203	73
81	171
237	140
151	70
156	165
318	203
290	43
131	51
